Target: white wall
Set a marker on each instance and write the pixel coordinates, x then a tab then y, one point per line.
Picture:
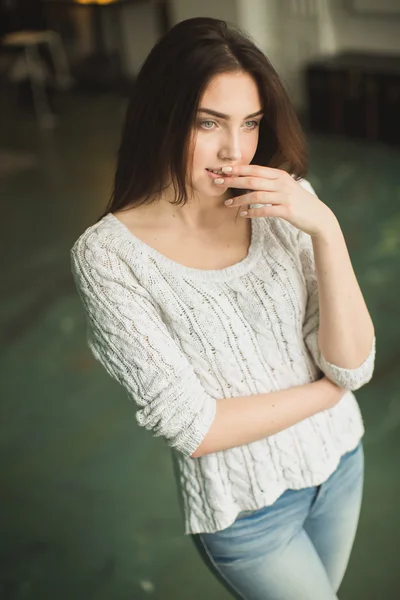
365	33
297	31
290	32
261	20
299	42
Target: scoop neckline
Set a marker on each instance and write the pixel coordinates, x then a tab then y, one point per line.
235	270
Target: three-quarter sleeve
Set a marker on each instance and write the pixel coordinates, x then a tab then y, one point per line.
127	335
350	379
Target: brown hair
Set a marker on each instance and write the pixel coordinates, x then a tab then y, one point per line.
156	136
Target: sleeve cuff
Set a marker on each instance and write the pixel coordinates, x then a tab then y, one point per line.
191	438
350	379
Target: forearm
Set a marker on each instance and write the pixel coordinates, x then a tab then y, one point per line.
346	330
246	419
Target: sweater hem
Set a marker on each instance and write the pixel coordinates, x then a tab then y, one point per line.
232	515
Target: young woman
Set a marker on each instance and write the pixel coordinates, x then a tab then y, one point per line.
239	331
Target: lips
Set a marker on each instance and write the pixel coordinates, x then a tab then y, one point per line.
218	172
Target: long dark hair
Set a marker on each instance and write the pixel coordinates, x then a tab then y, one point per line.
154	150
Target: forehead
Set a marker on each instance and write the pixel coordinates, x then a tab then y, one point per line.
232	93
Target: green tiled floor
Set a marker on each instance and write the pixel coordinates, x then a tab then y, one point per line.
89	507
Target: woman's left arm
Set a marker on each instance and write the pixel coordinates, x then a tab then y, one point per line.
346	332
338	329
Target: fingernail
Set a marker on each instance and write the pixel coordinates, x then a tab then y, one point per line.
226	169
219	180
228	202
243	213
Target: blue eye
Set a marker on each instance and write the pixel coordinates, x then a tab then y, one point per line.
205	124
209	125
252	124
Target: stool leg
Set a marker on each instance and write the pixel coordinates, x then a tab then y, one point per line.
60	61
43	113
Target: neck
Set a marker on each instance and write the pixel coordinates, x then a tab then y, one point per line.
197	214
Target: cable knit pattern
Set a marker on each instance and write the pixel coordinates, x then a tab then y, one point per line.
178	339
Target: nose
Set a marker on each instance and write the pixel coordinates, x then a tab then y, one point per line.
230	149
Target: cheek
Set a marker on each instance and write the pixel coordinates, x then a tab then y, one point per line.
249	146
203	150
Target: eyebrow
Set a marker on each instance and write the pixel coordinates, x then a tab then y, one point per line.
227	117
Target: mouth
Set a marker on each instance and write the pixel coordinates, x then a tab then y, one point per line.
217	173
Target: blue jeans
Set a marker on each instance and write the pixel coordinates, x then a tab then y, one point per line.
296	549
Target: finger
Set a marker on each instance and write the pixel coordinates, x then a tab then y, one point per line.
249	183
255	198
254	171
276	210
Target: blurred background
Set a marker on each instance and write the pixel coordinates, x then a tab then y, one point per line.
88	500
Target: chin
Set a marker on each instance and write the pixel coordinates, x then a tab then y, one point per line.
204	191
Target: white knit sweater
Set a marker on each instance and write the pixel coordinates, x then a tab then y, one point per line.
179	338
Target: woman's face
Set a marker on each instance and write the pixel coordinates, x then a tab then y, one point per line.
227	127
